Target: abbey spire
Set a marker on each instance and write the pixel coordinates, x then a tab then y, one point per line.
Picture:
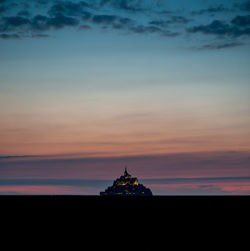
126	174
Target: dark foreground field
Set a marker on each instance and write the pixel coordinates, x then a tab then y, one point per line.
125	211
93	200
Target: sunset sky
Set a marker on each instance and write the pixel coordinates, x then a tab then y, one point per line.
87	87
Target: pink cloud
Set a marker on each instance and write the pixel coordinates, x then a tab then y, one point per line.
46	190
202	188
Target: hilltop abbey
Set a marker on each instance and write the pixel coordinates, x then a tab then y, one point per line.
127	186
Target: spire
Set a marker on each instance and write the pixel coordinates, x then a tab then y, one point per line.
125	172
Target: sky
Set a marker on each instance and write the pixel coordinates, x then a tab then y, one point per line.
87	87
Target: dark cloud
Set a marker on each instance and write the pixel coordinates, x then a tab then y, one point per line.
10	24
43	2
247	5
61	14
40	35
142	29
211	10
172	20
216	27
68	8
9	36
241	20
129	5
104	19
146	29
24	13
115	22
220	46
37	23
84	27
85	15
5	6
16	21
2	9
178	19
125	21
170	34
243	6
113	14
18	156
221	29
61	21
162	23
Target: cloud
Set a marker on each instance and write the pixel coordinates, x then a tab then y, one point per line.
241	21
145	29
245	6
60	15
2	9
172	20
77	14
24	13
9	36
19	156
142	29
220	28
63	14
43	2
197	164
13	24
220	46
69	8
216	27
15	21
193	179
44	16
40	35
37	23
104	19
84	27
6	6
162	23
211	10
60	21
85	15
61	182
178	19
168	173
128	5
192	185
115	22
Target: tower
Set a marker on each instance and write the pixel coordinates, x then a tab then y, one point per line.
126	174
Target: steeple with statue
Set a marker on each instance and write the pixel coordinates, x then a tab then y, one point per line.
126	185
126	174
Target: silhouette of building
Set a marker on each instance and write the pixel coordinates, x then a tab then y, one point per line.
127	186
